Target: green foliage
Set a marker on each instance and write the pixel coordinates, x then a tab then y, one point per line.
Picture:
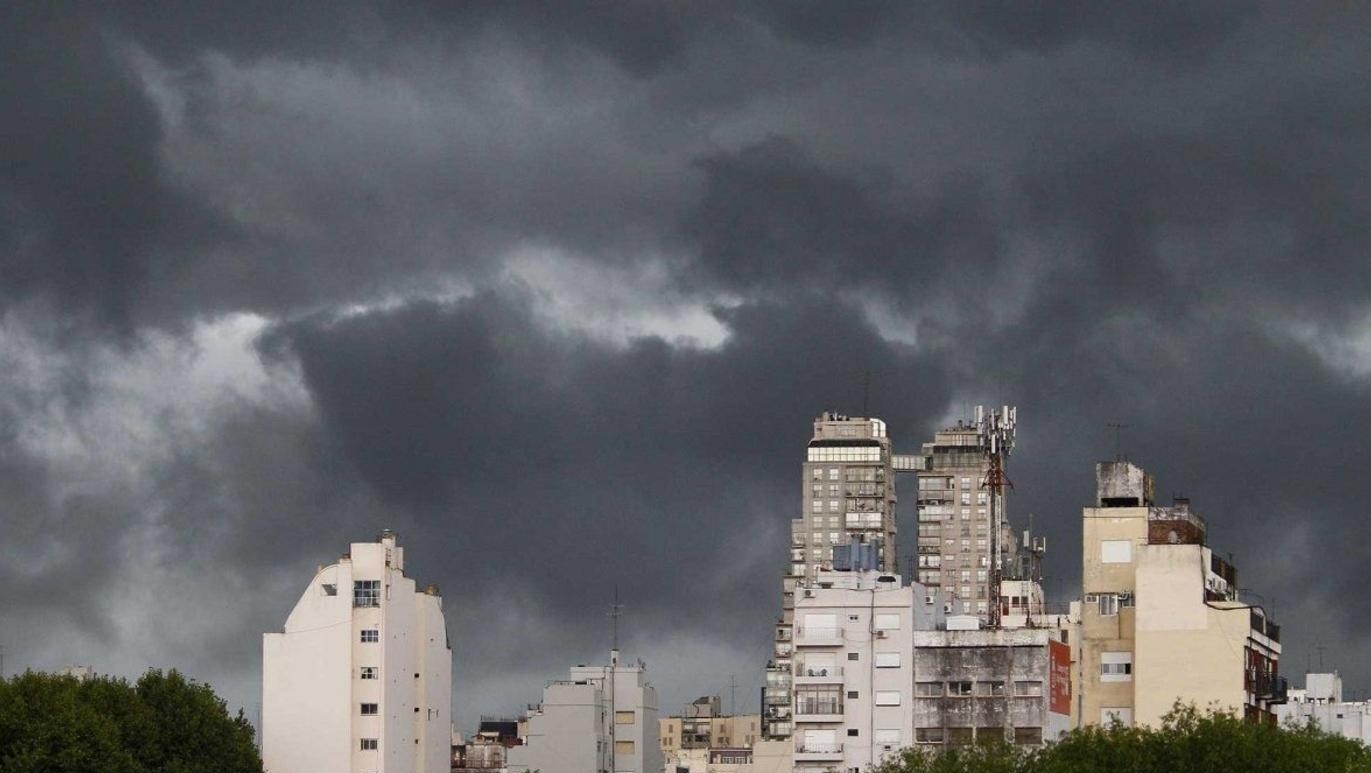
1187	742
161	724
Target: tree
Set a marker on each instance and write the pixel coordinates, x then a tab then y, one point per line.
1187	742
162	724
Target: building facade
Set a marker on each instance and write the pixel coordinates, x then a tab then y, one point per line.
602	719
360	680
703	726
848	496
1162	620
853	667
1009	684
965	543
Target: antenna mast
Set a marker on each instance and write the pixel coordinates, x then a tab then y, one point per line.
995	430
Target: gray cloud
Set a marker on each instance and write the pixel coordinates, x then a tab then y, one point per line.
555	291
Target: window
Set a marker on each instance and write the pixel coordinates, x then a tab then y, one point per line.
366	593
966	483
928	689
369	744
966	499
852	732
623	718
887	660
1028	688
928	735
852	695
1116	666
330	589
887	622
853	656
369	672
835	473
818	506
1028	736
990	689
623	747
887	697
834	505
370	709
1116	551
1109	604
888	735
817	473
958	688
370	636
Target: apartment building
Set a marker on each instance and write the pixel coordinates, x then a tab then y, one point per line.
852	667
1162	619
848	496
703	726
965	543
1321	701
360	679
602	719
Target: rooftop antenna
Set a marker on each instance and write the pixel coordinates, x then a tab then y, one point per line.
1319	648
1118	438
866	393
616	610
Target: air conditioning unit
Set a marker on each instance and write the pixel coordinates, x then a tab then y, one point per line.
809	594
880	634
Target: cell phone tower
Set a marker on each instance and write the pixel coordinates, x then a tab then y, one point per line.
995	431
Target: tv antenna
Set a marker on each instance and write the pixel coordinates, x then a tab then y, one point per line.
1118	438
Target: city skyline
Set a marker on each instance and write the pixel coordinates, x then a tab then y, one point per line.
557	295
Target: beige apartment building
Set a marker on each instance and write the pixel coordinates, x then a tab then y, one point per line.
1161	618
704	726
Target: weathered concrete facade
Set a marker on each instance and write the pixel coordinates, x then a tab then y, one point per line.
970	685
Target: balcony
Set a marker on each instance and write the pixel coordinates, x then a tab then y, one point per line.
818	674
815	751
819	637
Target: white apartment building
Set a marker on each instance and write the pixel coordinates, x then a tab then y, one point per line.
360	680
602	719
853	667
1321	701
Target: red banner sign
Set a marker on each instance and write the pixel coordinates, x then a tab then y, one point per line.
1059	677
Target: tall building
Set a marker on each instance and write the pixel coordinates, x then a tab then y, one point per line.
360	680
854	668
848	486
1162	619
965	543
603	719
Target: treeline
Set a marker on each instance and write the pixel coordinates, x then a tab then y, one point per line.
1188	742
161	724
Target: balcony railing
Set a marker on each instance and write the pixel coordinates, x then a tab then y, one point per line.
817	749
804	670
809	635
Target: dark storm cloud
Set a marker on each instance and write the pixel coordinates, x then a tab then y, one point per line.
1149	213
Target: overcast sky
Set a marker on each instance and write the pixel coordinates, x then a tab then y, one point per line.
555	291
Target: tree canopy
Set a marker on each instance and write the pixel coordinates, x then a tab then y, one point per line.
163	723
1188	741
